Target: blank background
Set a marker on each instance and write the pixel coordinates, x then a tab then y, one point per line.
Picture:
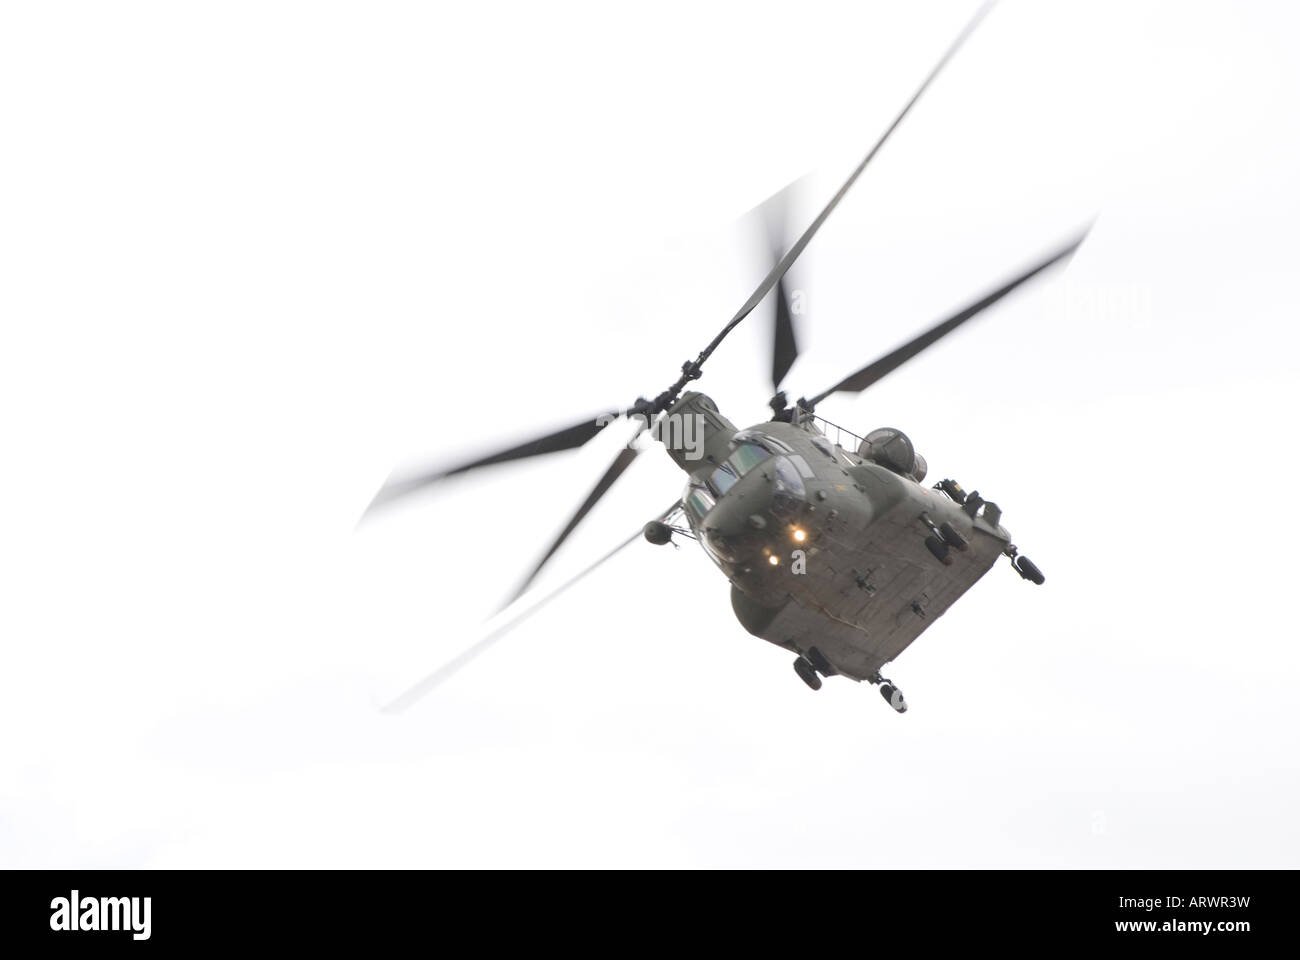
253	256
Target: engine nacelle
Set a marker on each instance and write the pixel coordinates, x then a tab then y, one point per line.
890	448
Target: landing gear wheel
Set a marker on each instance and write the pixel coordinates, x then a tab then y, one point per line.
1025	567
894	697
820	663
952	537
939	548
807	673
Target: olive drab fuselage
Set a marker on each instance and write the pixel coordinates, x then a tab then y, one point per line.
825	548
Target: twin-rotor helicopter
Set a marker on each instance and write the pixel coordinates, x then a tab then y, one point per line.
834	547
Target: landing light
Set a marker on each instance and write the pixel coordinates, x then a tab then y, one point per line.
774	559
800	536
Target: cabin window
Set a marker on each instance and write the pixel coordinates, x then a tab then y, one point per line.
723	479
746	457
698	503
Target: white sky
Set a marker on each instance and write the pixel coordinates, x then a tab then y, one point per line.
254	255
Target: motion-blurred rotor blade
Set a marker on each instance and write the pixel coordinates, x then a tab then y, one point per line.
449	669
567	439
620	464
779	269
784	347
857	382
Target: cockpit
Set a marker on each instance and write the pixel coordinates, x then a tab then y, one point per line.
751	449
702	495
698	502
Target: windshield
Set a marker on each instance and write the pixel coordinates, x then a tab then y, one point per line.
746	457
787	490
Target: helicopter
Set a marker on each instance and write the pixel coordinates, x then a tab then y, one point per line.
834	548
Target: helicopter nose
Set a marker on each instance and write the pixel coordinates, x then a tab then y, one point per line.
738	527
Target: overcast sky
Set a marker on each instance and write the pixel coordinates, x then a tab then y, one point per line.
254	256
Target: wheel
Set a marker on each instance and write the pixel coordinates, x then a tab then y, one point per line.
658	533
1025	567
894	697
820	663
940	549
951	536
807	673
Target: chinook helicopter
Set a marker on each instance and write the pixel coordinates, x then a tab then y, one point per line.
835	549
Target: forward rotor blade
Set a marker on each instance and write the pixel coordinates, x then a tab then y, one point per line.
616	469
857	382
569	438
779	269
454	666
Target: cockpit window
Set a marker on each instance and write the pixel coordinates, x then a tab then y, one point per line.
788	490
746	457
723	479
771	444
698	503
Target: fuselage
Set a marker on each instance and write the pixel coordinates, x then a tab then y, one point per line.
823	547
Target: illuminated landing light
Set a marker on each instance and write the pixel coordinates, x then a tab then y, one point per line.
774	559
800	536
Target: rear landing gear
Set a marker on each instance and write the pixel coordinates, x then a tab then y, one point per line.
894	697
891	694
1025	567
807	673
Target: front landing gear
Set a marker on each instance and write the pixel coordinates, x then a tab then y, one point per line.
812	666
892	695
807	673
943	538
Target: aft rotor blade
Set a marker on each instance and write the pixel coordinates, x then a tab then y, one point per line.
616	469
779	269
785	349
857	382
569	438
454	666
